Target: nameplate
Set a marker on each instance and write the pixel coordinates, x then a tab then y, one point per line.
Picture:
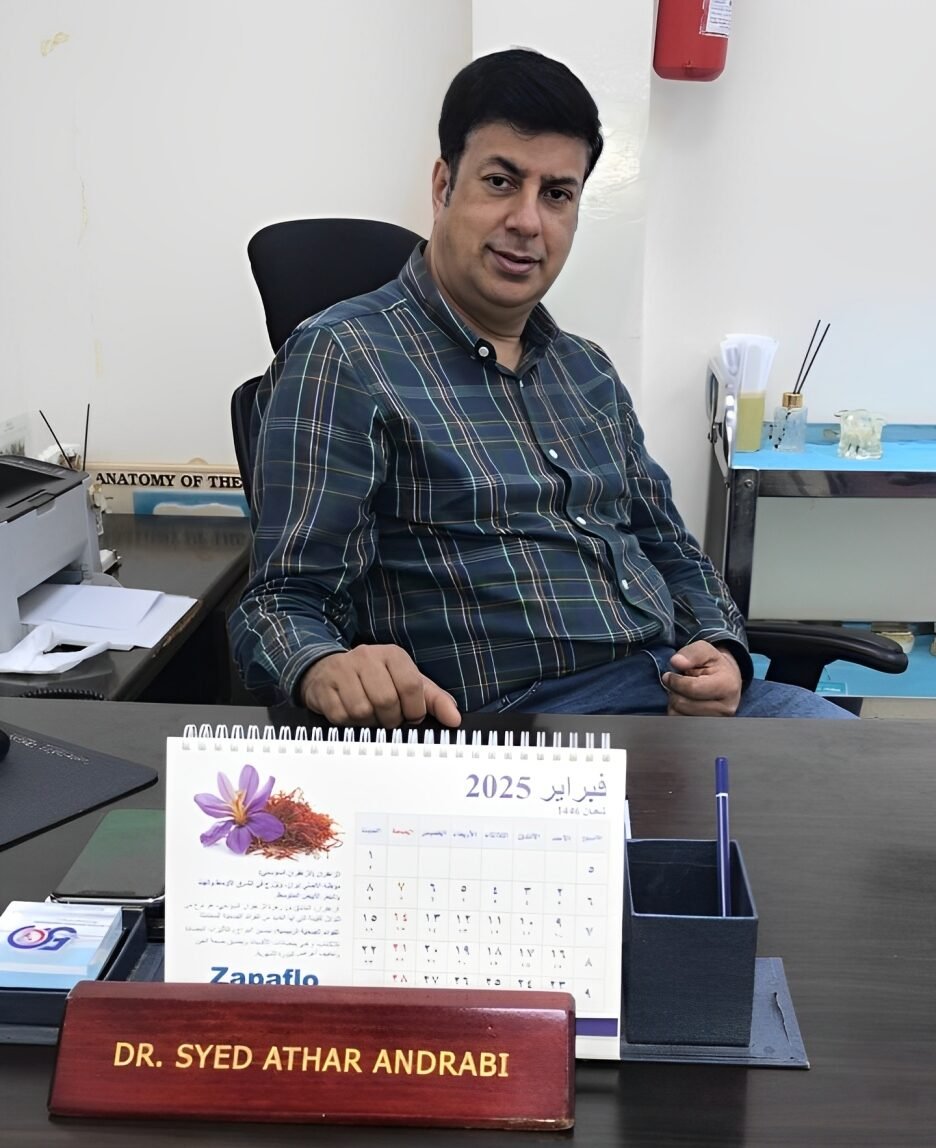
434	1057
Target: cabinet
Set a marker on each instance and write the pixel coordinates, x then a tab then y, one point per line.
815	537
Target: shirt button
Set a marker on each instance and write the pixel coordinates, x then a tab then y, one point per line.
581	521
625	585
483	352
552	454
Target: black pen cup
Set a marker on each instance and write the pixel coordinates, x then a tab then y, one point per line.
688	972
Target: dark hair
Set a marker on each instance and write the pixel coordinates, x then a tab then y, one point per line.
522	88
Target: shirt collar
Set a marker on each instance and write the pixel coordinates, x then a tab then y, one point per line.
538	334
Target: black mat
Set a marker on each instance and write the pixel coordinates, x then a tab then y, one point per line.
45	782
775	1036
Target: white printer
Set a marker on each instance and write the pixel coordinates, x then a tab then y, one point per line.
48	531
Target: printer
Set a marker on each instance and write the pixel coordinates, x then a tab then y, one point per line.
48	531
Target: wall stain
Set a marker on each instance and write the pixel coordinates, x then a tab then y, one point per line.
47	46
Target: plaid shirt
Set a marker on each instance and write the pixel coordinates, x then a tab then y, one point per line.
501	526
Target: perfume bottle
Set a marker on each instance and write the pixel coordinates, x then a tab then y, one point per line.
789	425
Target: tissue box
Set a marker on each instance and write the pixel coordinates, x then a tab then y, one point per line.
688	972
52	946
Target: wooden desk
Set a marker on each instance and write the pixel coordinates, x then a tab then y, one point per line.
202	558
835	819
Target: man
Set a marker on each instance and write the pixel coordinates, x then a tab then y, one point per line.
453	506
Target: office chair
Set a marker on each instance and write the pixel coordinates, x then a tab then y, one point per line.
305	265
302	266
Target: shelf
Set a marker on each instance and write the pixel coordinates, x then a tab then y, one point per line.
903	456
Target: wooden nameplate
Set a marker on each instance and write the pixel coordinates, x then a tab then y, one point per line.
455	1058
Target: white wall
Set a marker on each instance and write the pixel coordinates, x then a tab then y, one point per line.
141	153
600	292
798	185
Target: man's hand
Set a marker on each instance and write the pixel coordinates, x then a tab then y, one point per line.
706	682
374	685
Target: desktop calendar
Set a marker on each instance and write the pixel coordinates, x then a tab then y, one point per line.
410	860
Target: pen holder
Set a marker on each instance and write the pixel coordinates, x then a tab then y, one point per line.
688	973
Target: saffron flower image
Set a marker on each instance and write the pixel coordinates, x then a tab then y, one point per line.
241	812
305	830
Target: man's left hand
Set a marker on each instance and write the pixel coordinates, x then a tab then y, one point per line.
705	682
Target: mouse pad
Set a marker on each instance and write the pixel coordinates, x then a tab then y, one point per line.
45	782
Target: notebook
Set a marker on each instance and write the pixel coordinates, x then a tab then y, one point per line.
440	860
45	782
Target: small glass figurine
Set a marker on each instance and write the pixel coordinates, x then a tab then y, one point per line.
789	425
861	434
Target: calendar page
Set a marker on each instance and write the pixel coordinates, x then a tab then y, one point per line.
441	861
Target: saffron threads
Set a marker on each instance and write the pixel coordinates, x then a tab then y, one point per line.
305	829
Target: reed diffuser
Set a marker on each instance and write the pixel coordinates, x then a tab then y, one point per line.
789	425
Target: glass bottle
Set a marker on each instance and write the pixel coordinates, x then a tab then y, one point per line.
789	425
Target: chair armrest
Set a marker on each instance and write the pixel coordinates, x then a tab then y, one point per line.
799	651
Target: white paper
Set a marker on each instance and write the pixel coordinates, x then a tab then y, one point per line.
448	866
155	624
748	360
102	607
29	656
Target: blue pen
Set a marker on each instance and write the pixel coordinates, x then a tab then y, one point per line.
723	836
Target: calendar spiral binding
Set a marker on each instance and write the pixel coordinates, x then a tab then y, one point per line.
431	743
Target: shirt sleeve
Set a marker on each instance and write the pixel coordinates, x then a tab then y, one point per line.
703	608
319	459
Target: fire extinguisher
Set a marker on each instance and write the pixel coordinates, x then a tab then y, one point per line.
691	39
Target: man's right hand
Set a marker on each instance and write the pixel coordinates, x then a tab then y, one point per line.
375	685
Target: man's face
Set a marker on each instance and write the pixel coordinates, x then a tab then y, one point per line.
504	230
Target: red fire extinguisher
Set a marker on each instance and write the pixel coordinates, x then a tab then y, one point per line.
691	39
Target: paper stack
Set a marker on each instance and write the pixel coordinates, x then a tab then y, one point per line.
92	617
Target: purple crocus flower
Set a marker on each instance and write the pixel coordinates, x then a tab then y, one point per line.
241	811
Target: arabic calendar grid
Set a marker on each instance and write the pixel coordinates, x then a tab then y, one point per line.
470	902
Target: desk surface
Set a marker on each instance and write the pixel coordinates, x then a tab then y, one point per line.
200	558
835	820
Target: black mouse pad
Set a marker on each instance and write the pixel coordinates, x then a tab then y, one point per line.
45	782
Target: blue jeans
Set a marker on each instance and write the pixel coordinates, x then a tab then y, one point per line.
633	685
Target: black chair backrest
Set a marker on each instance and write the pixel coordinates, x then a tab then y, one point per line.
303	266
241	405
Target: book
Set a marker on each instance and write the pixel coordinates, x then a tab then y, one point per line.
433	861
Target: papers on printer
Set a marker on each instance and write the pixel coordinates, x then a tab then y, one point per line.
123	618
